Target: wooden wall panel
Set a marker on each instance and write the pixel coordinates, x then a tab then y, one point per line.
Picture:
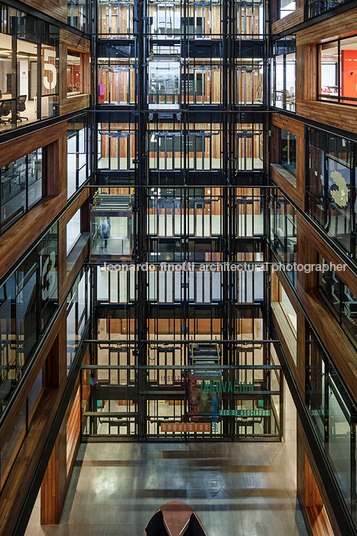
293	187
286	123
57	10
72	40
347	276
18	238
277	174
14	149
306	72
331	28
7	428
337	115
333	336
15	489
297	17
74	103
50	508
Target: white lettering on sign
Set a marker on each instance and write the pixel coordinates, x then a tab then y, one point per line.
50	68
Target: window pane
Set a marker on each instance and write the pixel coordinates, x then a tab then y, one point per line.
288	151
7	85
34	177
74	73
349	70
73	231
328	71
13	192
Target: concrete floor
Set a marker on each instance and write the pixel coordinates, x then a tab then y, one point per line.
237	489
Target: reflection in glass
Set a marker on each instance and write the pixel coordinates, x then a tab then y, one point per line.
115	18
331	185
288	151
250	81
73	231
21	188
332	412
287	7
77	14
329	71
164	84
74	73
28	300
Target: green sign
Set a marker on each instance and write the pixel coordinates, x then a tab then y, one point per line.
245	412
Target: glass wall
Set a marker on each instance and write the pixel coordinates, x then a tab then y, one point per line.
331	187
73	231
288	151
286	7
201	150
22	186
249	147
337	75
204	82
77	14
77	315
285	316
116	146
316	7
340	300
250	19
116	81
29	91
74	73
333	413
112	224
283	73
78	153
164	83
115	18
28	300
283	233
250	85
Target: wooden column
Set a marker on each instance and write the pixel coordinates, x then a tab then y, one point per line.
53	484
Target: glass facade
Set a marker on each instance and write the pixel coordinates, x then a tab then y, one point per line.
79	153
337	80
77	14
22	186
283	233
74	73
331	187
29	69
283	74
286	7
333	414
28	300
288	151
317	7
340	300
77	315
13	367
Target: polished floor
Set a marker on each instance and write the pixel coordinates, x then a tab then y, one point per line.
241	489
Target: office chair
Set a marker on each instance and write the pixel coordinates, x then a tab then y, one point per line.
21	106
5	109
